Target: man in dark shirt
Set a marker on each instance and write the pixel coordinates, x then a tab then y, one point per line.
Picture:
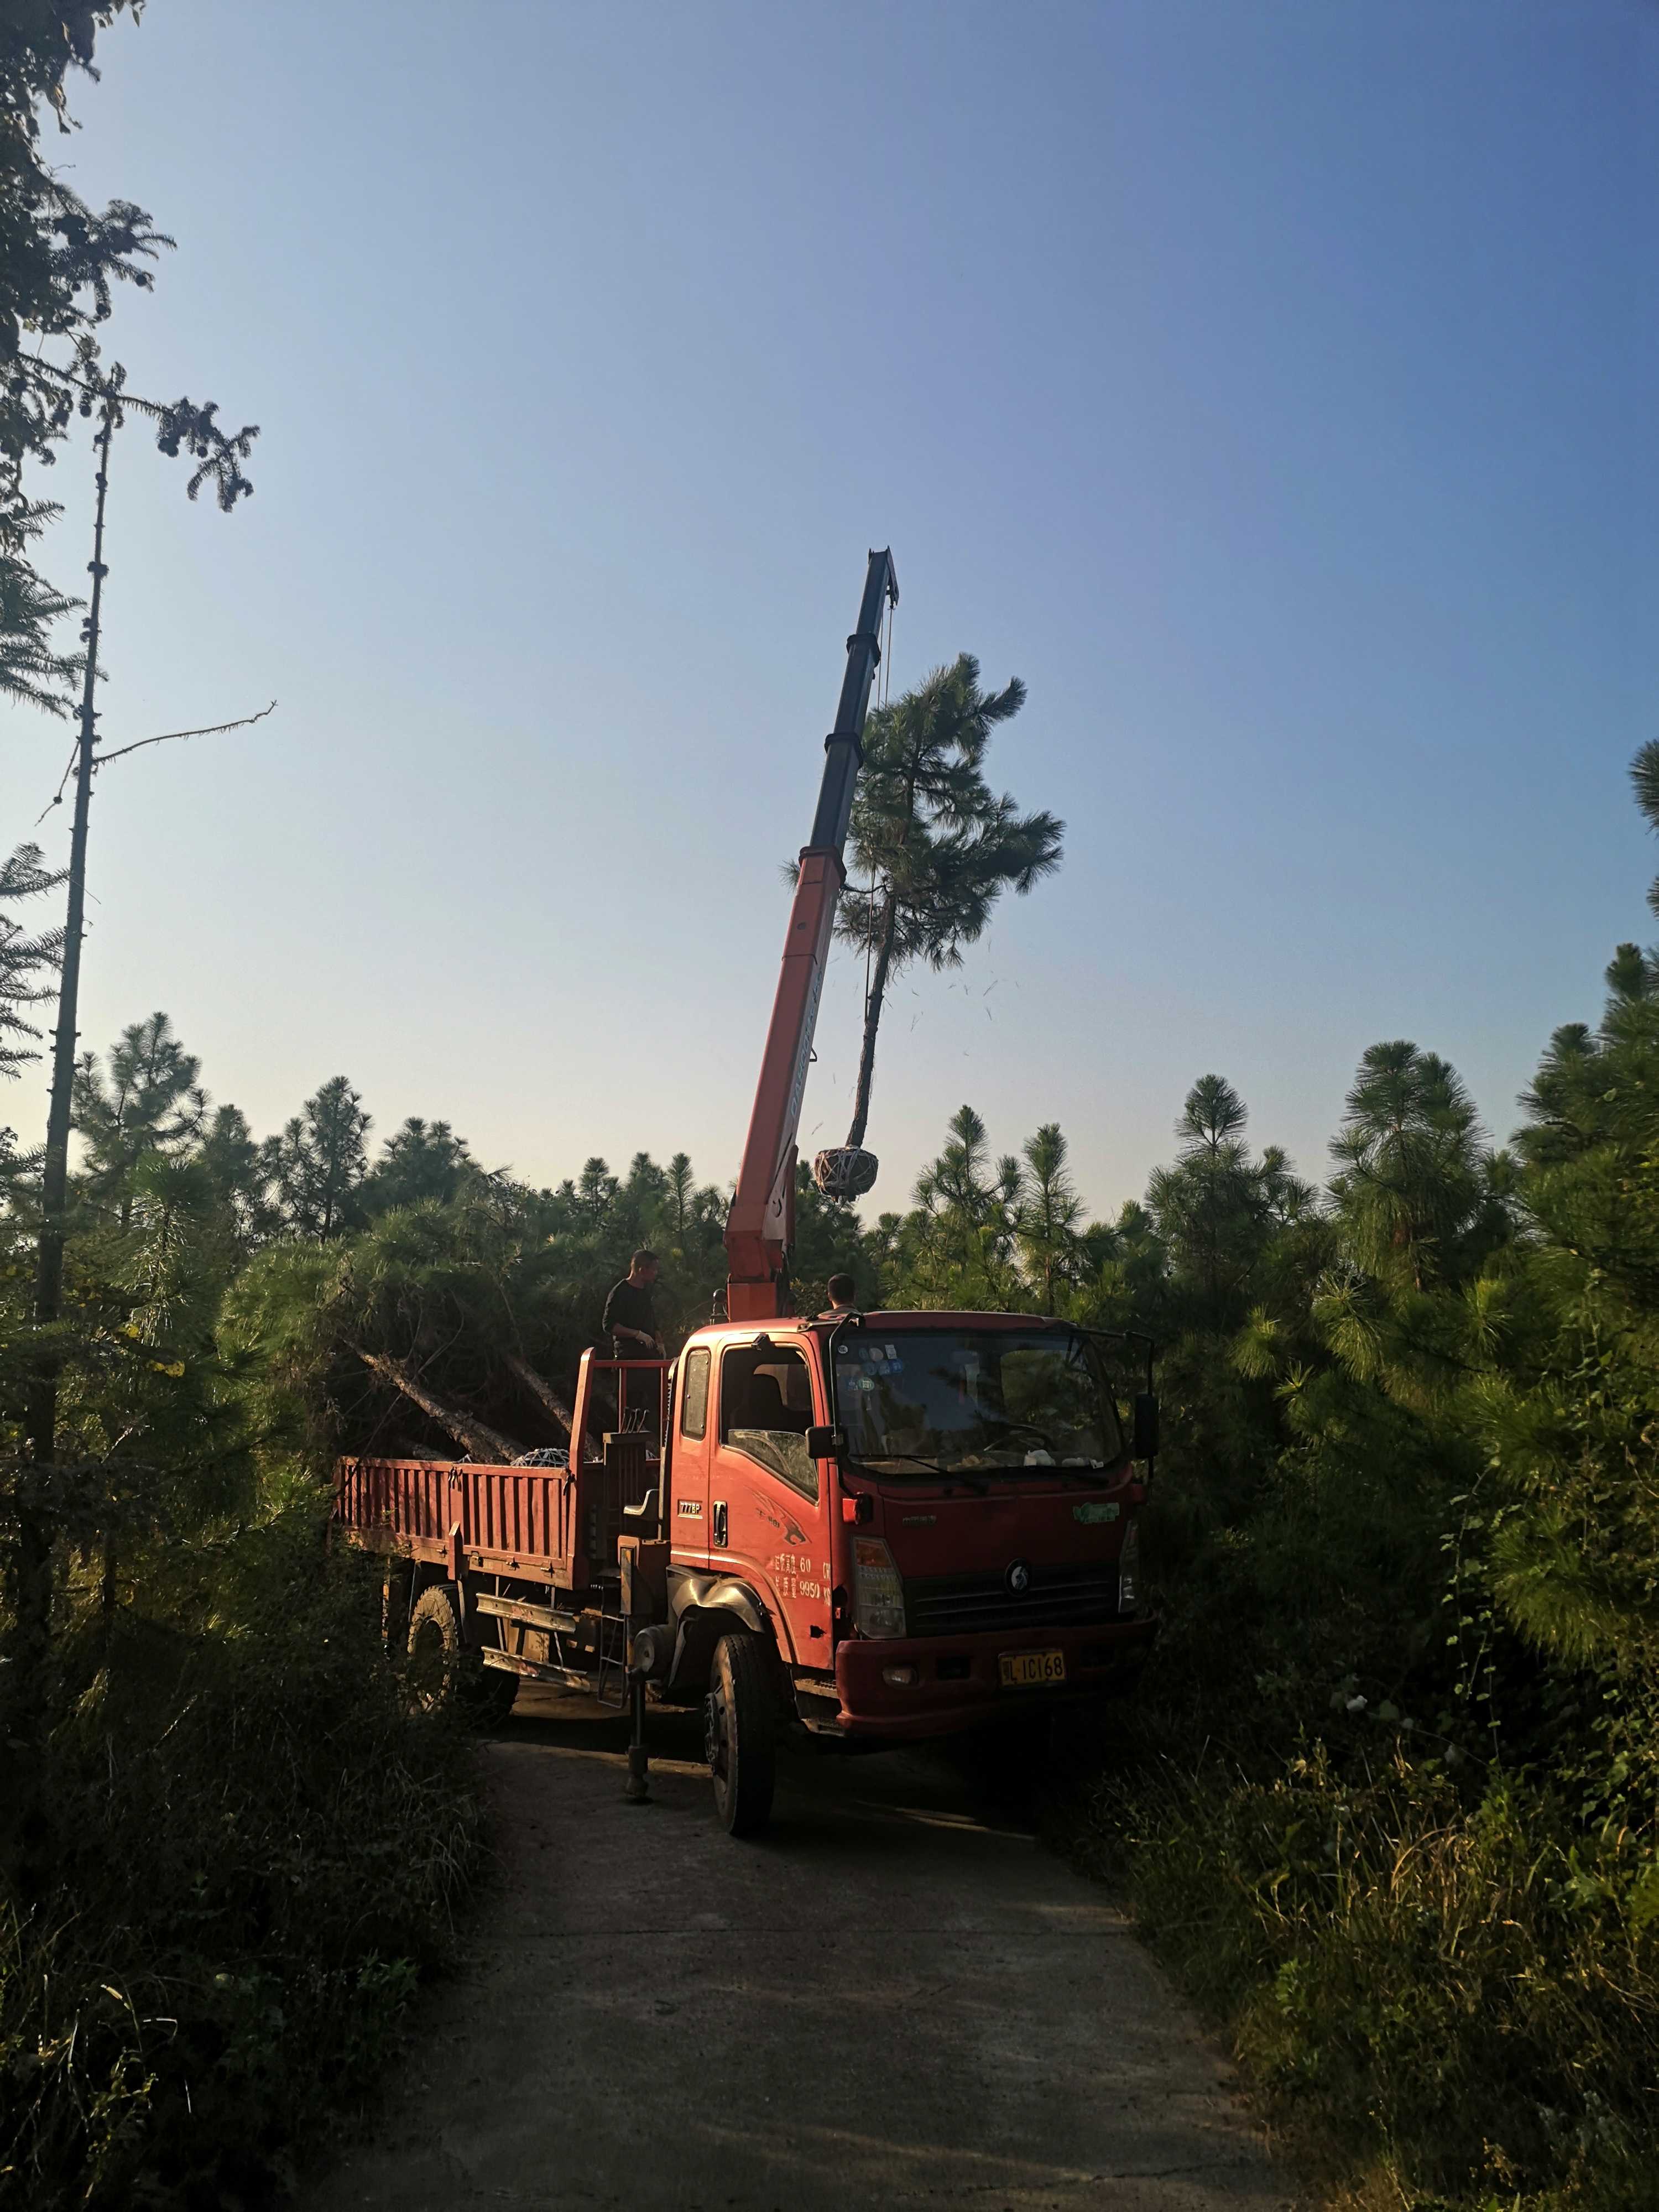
630	1319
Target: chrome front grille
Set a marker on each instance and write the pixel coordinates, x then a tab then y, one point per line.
977	1605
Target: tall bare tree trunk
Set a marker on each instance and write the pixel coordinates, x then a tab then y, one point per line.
541	1389
872	1022
30	1642
42	1412
481	1440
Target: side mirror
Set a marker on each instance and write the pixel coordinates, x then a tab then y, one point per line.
825	1443
1145	1434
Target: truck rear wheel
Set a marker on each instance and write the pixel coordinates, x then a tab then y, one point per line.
442	1670
740	1730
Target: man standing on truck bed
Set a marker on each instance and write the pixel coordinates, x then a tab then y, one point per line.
630	1318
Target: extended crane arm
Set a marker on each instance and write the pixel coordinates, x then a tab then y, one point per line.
759	1226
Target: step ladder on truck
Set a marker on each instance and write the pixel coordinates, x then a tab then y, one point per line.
852	1531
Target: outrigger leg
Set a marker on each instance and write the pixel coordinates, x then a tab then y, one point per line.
637	1787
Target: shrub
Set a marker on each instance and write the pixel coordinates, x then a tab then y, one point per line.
260	1850
1462	1997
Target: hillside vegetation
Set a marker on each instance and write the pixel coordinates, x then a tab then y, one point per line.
1387	1802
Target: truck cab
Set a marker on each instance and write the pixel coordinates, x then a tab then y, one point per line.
927	1518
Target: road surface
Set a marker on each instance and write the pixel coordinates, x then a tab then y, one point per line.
890	2000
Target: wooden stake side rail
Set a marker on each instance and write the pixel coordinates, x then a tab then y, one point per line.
465	1517
545	1524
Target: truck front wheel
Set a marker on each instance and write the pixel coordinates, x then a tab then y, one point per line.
740	1734
442	1669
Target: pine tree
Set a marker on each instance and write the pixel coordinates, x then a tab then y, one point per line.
149	1102
231	1160
1212	1208
597	1189
936	847
316	1167
967	1204
26	961
678	1193
422	1160
1049	1214
1413	1183
646	1185
32	672
1645	782
60	264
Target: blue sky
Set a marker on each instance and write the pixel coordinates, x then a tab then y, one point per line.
1269	386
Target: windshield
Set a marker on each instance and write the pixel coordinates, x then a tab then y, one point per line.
956	1400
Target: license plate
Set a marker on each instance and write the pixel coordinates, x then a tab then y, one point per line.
1025	1670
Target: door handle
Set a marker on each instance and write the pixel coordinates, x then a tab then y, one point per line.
717	1514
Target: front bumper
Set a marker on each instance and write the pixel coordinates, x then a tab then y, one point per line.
958	1682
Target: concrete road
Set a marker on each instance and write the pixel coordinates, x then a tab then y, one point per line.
889	2000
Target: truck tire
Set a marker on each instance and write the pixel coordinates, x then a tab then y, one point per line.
740	1732
442	1670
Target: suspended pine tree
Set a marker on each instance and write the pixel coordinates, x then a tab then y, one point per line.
932	847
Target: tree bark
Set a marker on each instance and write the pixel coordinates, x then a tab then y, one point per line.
41	1404
481	1440
30	1642
872	1022
540	1389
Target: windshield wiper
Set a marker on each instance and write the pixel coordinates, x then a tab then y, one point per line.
865	1462
971	1476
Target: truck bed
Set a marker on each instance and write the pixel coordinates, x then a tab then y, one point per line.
469	1517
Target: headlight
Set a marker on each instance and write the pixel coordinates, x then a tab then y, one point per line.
1128	1569
878	1593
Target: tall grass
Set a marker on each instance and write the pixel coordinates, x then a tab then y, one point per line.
1444	2002
260	1847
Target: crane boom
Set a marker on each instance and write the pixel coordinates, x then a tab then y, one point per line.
760	1227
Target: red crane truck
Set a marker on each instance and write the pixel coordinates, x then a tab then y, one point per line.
851	1531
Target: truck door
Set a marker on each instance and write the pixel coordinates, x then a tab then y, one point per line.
688	1530
766	1514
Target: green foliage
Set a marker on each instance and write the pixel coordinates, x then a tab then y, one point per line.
959	1245
26	961
935	845
33	671
148	1105
173	2016
1394	1812
1395	1815
316	1165
1048	1215
423	1160
940	845
1465	1999
59	262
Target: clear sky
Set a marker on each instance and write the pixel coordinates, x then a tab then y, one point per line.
1269	385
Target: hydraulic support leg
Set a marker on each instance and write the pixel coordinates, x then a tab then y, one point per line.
637	1787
